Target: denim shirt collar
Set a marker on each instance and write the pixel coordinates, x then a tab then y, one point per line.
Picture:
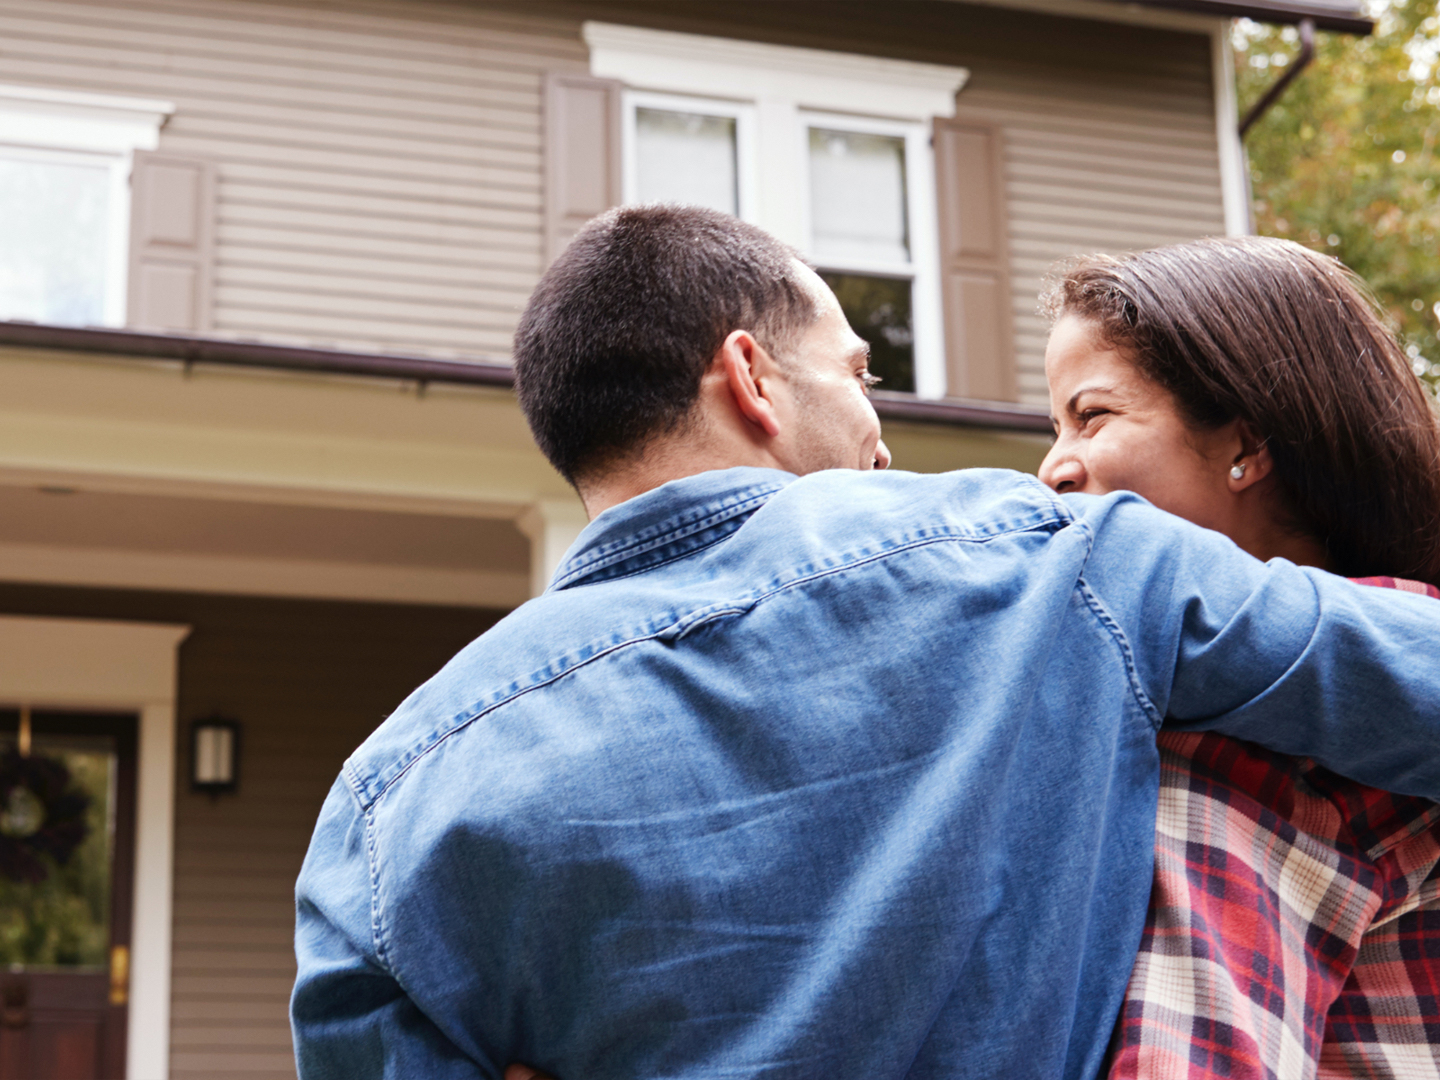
666	523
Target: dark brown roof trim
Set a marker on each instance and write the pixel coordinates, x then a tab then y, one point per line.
423	369
1342	17
962	412
197	350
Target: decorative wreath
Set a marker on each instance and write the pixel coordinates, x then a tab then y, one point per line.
40	814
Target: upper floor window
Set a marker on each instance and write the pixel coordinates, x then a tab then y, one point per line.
860	232
65	202
827	151
680	149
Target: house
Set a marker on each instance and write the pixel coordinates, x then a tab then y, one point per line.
261	469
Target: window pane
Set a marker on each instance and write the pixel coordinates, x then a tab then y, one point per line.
57	916
686	158
54	232
857	197
879	311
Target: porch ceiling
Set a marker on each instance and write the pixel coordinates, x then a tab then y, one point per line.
228	529
146	473
57	534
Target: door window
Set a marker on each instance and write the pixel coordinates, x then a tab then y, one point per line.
67	789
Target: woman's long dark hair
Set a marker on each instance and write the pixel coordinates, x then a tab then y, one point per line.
1292	343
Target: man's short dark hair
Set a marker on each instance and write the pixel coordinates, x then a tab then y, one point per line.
610	351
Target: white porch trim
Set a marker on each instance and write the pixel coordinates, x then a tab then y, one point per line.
92	663
51	564
552	525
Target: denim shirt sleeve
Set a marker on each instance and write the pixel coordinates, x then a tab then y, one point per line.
1298	660
351	1018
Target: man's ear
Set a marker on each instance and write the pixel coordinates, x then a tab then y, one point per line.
1253	460
746	365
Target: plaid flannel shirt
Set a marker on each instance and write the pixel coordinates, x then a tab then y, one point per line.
1294	924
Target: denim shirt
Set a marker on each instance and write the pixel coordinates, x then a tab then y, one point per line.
852	775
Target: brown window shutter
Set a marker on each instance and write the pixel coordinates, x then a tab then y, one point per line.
974	261
172	242
582	154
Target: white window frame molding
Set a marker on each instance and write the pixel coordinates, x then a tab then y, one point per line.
785	86
91	129
742	113
100	664
923	271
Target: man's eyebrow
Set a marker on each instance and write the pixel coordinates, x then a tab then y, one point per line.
862	353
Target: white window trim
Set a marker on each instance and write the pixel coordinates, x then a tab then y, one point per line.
98	664
93	129
926	314
744	116
786	86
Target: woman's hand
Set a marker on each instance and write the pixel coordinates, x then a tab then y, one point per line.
524	1072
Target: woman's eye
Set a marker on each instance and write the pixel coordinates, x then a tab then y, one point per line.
1090	414
869	381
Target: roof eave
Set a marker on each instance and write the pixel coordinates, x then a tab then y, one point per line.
1325	18
479	372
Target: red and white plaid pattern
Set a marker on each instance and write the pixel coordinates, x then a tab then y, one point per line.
1294	924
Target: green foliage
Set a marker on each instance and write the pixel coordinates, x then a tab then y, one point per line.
1347	161
64	920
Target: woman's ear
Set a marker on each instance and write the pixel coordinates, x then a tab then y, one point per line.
746	364
1253	463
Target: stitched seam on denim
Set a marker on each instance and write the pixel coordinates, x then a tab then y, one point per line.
672	559
664	631
1059	512
1132	673
649	539
709	617
681	524
354	783
372	859
877	556
1058	504
463	724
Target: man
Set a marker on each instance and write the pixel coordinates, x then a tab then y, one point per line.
850	775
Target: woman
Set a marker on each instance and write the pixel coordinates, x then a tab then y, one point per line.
1248	385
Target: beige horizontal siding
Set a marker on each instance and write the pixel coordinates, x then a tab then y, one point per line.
379	164
1090	175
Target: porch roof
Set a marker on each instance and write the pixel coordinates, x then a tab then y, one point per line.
480	371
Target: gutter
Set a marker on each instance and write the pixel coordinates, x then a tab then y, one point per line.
1302	59
423	370
1342	18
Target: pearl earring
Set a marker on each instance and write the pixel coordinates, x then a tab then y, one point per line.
1237	472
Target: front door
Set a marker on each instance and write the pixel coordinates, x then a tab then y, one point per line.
67	844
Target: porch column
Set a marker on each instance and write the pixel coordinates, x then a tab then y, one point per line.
552	526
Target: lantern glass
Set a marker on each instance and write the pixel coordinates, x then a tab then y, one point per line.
214	754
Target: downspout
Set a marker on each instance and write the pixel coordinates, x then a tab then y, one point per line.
1306	54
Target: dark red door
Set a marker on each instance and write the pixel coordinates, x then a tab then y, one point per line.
67	845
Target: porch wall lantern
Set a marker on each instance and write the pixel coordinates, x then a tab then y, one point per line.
214	755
